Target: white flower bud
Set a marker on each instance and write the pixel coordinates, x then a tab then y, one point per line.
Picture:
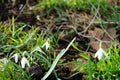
5	60
24	61
46	45
16	57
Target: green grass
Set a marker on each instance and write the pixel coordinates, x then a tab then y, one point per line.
14	39
29	43
73	4
13	71
105	69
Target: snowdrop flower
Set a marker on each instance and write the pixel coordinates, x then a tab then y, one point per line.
100	53
24	61
46	45
16	57
5	60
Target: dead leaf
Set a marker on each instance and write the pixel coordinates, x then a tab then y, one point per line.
111	34
97	32
95	45
105	37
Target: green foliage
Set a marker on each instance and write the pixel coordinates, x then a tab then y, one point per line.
57	59
105	69
28	43
12	71
73	4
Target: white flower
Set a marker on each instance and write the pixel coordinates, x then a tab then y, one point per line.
5	60
100	53
46	45
16	57
24	61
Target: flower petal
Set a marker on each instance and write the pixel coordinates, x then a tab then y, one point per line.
16	57
46	45
23	61
99	54
5	60
104	53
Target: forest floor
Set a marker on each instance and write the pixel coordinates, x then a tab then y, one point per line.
89	27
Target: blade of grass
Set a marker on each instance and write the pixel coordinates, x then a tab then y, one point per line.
13	26
89	69
57	59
